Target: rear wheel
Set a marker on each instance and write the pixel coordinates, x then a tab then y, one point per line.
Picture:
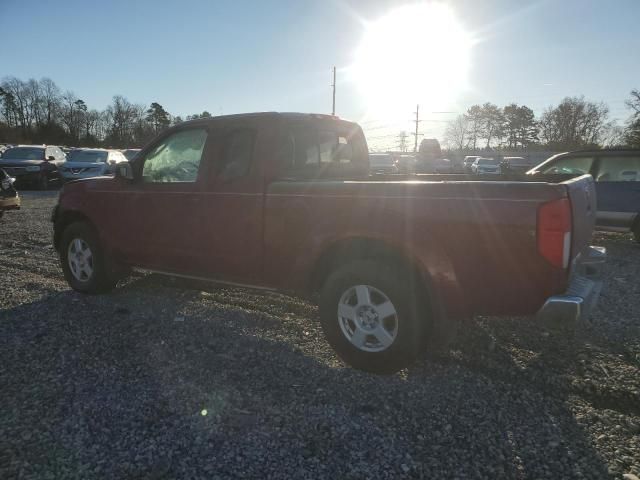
84	262
371	316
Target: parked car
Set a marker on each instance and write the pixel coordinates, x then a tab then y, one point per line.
617	177
406	163
285	202
433	165
90	162
130	153
382	163
483	166
35	165
468	162
9	198
516	165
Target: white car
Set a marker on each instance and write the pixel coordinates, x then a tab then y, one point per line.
90	162
484	166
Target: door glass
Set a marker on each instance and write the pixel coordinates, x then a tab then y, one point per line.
176	158
238	151
571	165
619	169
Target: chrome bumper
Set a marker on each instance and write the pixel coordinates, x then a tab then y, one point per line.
583	292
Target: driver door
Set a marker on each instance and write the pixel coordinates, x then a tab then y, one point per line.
161	206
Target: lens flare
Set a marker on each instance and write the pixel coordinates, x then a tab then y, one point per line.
415	54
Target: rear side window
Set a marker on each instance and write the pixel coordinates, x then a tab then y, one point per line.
237	154
619	169
570	165
312	151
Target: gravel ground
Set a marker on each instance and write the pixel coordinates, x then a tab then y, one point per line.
161	380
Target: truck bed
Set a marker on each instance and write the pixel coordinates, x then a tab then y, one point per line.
477	238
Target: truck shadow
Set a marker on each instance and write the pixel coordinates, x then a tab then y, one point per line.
169	383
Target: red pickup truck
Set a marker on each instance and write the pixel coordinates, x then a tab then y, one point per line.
285	201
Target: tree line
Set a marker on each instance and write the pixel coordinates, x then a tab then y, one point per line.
574	123
39	112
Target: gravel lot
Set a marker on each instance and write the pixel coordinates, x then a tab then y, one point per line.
158	381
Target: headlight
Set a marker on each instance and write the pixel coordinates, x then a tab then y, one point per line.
33	168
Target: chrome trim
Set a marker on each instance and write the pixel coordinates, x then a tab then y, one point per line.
577	303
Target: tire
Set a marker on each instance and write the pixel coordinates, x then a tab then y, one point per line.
363	323
93	272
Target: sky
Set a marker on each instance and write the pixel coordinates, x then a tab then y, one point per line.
241	56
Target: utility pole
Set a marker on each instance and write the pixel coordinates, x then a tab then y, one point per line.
333	86
417	122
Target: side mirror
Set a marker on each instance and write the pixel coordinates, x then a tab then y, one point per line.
50	158
124	170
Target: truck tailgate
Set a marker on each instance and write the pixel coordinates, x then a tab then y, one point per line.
582	195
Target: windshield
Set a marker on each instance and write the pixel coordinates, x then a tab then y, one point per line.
380	160
88	156
488	162
24	153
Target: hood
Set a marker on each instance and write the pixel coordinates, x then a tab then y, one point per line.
7	162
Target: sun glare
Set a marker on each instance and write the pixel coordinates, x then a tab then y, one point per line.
416	54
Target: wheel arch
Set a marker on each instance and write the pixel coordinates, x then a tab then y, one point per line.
64	218
431	271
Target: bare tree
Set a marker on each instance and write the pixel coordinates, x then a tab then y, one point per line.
456	135
474	122
574	123
632	131
50	102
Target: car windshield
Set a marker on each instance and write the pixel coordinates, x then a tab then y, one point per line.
380	160
88	156
24	153
488	162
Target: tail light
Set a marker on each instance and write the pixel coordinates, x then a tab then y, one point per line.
554	232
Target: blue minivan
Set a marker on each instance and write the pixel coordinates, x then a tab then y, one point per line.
617	176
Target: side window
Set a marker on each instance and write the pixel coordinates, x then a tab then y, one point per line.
310	152
620	168
334	148
237	154
59	154
176	158
571	165
49	152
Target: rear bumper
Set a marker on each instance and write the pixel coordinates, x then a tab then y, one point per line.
582	295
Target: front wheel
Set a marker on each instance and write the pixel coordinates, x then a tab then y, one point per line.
83	260
371	316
